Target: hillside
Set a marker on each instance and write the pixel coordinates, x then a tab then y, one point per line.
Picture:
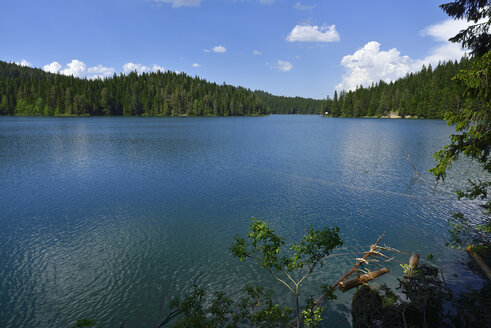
428	93
291	105
30	91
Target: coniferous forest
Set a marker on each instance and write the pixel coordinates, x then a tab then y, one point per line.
29	91
290	105
429	93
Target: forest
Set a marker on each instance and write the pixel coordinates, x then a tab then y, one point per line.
29	91
429	93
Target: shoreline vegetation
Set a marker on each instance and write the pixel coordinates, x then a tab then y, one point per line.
26	91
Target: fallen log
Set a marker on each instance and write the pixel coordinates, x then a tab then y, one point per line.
484	267
351	283
366	255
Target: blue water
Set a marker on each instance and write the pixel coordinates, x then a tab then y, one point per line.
108	218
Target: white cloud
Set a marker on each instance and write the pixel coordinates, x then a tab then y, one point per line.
78	68
54	67
100	72
206	50
257	53
158	68
219	49
299	6
196	65
444	30
180	3
24	62
370	65
75	68
140	68
266	2
313	33
283	65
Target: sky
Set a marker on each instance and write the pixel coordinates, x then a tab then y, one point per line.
302	48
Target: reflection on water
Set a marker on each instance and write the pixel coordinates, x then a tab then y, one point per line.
107	218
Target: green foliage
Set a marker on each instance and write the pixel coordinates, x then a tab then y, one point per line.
4	106
473	140
408	269
264	245
426	94
254	308
472	121
425	293
291	105
35	92
366	307
472	308
290	266
312	315
475	37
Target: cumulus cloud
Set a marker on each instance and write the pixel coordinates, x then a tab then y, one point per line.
313	33
100	72
256	53
196	65
24	62
54	67
140	68
78	68
283	65
370	64
300	6
75	68
180	3
219	49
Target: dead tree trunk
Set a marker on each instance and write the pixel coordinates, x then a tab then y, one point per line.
348	284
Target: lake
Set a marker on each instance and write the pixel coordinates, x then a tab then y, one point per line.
108	218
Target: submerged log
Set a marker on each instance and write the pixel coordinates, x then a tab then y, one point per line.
348	284
484	267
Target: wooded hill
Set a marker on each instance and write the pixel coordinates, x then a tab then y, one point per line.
426	94
291	105
30	91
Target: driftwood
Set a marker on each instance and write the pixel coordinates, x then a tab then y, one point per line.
351	283
372	252
484	267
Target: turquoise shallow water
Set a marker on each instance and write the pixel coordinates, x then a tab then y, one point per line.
108	218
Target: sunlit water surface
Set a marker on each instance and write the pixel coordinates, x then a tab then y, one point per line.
109	218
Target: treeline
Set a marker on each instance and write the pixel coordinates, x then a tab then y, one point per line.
30	91
291	105
426	94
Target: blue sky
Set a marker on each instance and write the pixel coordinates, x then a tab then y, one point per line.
286	47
